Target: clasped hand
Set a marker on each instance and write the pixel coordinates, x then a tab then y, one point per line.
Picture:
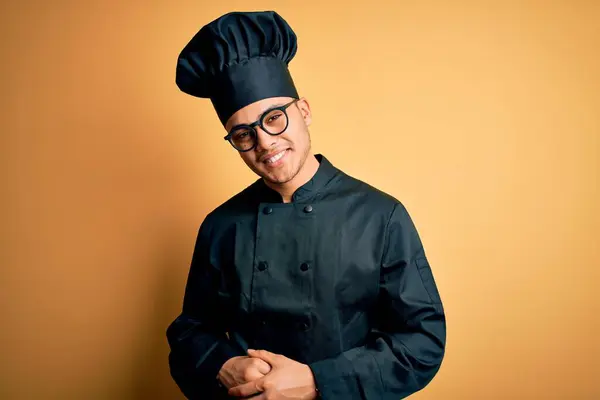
268	376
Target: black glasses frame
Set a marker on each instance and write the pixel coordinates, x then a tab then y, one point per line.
259	122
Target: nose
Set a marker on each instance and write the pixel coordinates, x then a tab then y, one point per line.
264	141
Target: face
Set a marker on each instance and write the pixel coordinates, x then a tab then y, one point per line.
277	159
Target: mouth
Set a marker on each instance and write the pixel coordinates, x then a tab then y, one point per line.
275	159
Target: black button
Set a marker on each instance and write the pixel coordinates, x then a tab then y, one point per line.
267	210
304	266
263	322
304	326
262	265
308	209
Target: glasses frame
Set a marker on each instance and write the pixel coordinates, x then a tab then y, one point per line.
259	122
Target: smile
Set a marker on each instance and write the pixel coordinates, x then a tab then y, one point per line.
275	158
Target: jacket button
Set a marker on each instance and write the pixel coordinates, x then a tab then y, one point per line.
262	265
267	210
304	326
304	266
308	209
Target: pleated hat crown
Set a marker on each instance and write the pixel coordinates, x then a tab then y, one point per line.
237	59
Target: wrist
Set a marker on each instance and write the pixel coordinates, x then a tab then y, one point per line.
313	385
226	365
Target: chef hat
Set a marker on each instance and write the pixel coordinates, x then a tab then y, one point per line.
237	59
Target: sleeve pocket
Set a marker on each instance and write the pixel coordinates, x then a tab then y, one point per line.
428	280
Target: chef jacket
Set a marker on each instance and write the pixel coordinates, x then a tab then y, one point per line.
337	279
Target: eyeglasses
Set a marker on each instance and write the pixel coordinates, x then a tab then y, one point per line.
273	121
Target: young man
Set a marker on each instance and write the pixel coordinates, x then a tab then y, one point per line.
309	283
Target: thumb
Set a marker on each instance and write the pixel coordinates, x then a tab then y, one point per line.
265	355
263	367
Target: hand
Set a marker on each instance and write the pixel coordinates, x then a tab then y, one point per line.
242	369
288	379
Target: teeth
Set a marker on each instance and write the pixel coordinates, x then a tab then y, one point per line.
275	158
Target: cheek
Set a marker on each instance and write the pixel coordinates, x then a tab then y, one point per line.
296	135
251	161
301	136
246	157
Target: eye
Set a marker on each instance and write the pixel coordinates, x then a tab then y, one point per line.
273	117
240	134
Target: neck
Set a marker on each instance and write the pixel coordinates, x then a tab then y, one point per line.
287	189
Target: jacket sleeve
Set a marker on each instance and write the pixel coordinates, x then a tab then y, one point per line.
197	338
406	345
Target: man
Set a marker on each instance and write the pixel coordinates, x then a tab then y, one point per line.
309	282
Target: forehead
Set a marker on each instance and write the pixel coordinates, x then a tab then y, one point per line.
253	111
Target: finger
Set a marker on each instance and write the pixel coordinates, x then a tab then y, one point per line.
260	396
269	357
262	366
250	375
246	389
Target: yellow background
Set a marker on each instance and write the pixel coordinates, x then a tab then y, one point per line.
483	118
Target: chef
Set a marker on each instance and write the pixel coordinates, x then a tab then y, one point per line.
309	283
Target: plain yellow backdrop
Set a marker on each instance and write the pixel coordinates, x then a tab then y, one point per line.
483	118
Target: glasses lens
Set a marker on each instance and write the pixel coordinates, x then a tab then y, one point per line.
275	122
243	138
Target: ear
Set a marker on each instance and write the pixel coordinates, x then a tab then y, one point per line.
305	111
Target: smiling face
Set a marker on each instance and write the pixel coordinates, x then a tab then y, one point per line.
277	159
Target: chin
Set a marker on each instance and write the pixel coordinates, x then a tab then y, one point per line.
278	177
281	176
279	180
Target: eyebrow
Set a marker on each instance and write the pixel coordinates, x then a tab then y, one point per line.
271	108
